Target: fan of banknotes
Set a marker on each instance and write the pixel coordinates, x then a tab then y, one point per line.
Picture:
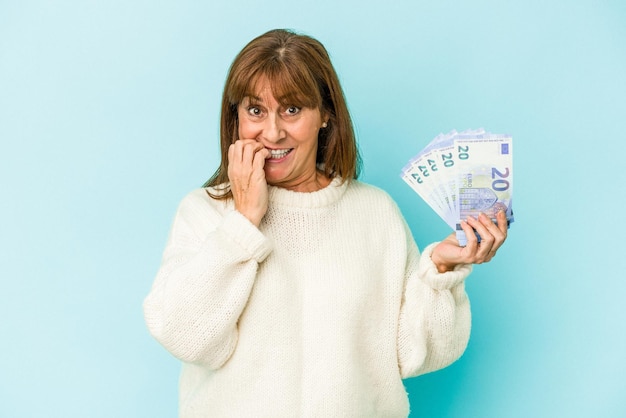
461	174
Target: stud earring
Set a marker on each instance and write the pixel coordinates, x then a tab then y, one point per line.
324	125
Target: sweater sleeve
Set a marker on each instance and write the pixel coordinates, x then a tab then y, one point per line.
435	320
209	266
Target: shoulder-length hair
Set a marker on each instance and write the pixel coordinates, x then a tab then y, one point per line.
300	72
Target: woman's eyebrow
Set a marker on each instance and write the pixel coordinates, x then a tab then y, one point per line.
285	100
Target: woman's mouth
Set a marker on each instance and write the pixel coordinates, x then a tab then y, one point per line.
277	154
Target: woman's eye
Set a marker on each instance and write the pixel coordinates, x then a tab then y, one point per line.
254	111
292	110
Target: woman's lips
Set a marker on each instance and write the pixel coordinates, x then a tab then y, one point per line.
279	154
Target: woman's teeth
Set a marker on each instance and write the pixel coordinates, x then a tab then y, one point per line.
279	153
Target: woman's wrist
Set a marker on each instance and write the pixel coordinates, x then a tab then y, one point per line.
441	266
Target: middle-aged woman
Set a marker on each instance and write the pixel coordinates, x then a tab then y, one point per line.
288	288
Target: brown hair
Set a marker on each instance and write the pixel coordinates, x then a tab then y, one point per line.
300	72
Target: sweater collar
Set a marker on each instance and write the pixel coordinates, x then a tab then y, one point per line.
323	197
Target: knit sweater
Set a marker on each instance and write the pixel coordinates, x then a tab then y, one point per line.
321	311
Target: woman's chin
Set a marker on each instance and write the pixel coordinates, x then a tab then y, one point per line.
274	178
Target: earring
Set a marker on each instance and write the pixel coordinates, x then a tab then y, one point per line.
324	125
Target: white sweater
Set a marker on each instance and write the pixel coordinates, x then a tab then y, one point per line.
320	312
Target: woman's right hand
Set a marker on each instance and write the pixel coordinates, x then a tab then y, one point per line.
246	159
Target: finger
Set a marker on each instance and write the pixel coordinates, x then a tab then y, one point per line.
493	229
237	148
259	158
502	222
231	153
498	231
486	238
243	151
233	161
249	142
247	153
236	165
470	238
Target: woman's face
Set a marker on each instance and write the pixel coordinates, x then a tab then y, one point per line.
288	132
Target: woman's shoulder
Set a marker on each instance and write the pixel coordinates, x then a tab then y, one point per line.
372	196
195	197
204	195
371	192
202	201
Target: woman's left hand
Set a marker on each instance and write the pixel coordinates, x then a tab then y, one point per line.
447	254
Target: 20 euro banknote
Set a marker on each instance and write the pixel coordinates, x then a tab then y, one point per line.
484	178
464	174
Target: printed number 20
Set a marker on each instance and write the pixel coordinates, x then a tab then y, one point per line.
499	184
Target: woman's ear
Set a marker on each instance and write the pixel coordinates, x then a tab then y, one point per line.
325	118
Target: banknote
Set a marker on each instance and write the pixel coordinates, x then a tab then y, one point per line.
484	178
461	174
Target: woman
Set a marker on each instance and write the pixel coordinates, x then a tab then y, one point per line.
287	287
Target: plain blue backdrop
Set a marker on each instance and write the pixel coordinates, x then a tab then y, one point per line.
109	116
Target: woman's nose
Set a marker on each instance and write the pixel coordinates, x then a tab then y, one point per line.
273	130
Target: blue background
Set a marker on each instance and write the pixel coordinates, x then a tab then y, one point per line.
109	116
